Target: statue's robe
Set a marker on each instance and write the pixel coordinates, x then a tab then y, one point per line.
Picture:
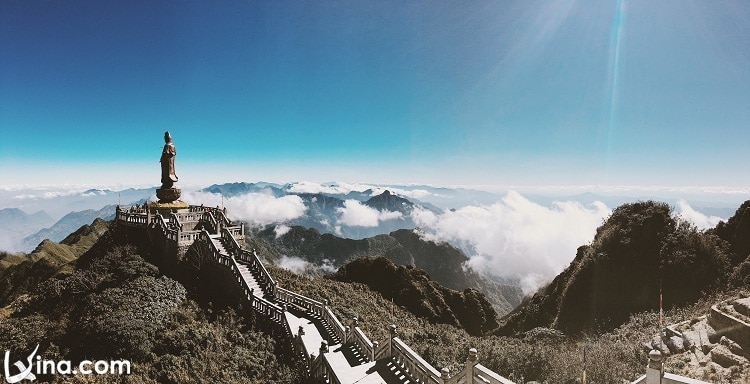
168	176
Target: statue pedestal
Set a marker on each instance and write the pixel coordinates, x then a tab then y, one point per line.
168	195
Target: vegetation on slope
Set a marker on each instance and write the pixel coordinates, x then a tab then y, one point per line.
640	251
112	304
412	288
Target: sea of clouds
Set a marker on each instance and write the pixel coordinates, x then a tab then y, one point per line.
516	237
255	208
512	237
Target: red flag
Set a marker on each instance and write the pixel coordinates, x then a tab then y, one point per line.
661	313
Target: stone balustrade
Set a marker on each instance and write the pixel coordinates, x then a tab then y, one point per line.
188	237
267	283
160	223
310	305
331	319
366	347
414	364
230	243
132	219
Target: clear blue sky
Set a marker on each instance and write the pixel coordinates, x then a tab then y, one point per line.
445	92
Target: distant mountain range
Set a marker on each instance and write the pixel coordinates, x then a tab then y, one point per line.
16	224
325	210
66	225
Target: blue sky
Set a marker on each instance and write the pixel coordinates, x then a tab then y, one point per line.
489	92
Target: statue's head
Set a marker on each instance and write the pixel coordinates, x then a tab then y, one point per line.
167	137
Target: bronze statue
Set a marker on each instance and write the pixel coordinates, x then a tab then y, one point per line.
168	193
168	176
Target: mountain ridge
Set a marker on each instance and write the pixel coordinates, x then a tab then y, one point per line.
443	263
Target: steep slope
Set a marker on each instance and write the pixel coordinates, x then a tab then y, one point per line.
412	288
118	306
736	231
639	250
444	263
20	272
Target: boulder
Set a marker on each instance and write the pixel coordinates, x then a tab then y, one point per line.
723	356
732	346
743	306
691	340
675	345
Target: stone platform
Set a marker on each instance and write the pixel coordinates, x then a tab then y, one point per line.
169	206
168	195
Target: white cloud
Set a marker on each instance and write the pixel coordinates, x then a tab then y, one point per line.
304	267
281	230
516	237
700	220
255	208
356	214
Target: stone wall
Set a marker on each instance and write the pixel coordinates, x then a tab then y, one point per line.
730	325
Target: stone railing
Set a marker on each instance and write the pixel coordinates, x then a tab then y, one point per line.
418	368
188	237
210	222
321	370
485	375
162	224
366	347
338	328
189	216
236	231
267	283
133	219
230	243
205	237
174	220
303	302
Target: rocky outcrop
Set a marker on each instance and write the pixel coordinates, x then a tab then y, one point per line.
640	250
413	289
709	344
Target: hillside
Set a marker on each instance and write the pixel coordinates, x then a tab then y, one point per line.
93	296
21	272
640	250
442	262
107	300
411	288
736	231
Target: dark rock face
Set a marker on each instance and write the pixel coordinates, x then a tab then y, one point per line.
412	288
638	251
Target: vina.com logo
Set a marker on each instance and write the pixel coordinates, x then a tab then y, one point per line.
34	365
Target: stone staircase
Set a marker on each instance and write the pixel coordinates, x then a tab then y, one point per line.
243	267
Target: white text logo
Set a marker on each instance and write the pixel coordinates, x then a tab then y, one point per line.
29	370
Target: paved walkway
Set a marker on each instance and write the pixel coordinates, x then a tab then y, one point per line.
337	359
